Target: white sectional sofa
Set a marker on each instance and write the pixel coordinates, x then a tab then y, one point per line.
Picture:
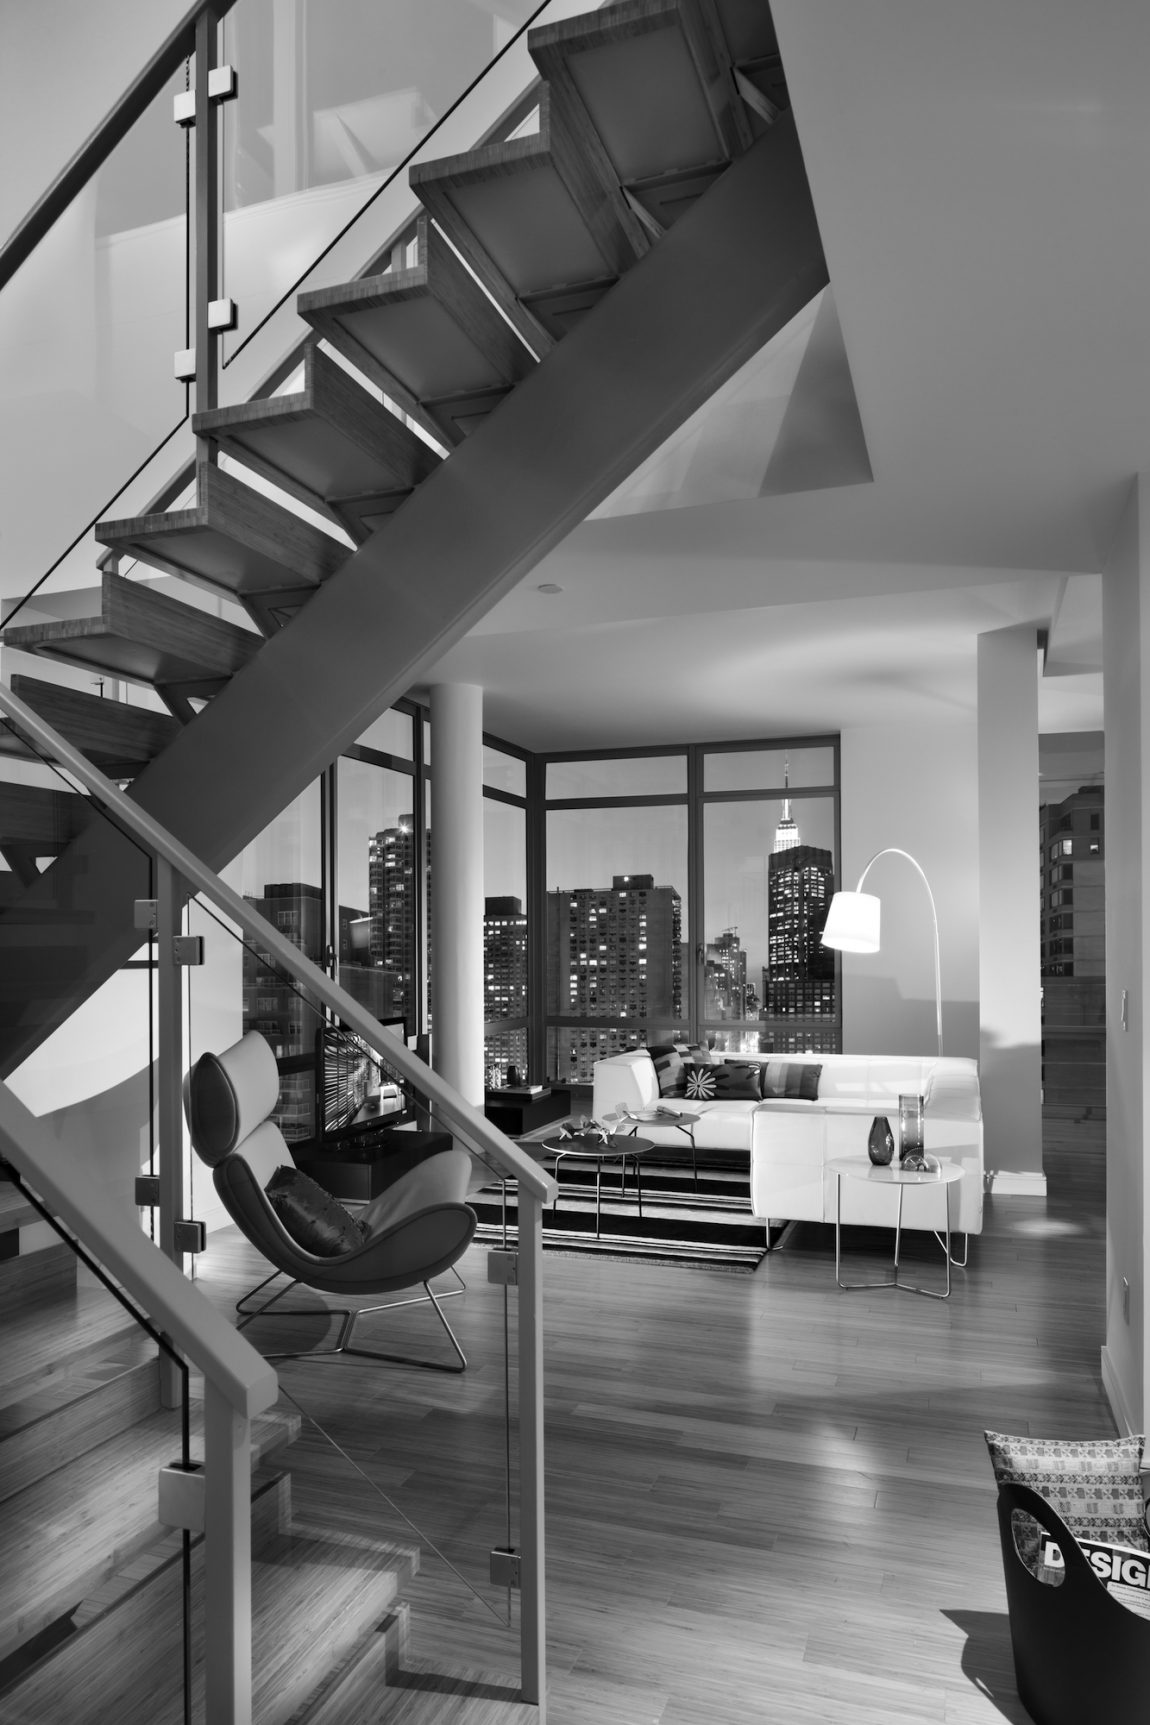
790	1142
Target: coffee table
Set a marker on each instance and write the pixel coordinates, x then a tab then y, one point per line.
592	1147
941	1173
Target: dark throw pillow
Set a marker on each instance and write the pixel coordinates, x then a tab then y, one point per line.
736	1081
792	1080
669	1069
314	1219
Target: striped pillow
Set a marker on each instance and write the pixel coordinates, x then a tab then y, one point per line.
794	1080
670	1072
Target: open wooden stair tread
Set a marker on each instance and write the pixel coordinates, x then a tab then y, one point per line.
145	637
533	220
331	444
427	335
43	819
119	738
235	539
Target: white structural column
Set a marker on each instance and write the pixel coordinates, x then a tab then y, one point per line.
1126	684
1010	908
457	886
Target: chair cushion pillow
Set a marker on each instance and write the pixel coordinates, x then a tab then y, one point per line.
1095	1486
229	1094
794	1080
669	1069
314	1219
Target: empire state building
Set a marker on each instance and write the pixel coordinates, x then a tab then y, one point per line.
799	981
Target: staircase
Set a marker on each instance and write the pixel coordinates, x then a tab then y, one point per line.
569	297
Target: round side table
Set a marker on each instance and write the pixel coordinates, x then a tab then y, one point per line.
617	1148
942	1173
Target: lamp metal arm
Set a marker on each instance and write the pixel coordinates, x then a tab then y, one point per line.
894	851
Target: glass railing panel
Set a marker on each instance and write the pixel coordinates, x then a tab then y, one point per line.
89	329
429	1424
318	144
97	1438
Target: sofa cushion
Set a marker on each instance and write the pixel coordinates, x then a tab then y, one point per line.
314	1219
794	1080
669	1068
1095	1486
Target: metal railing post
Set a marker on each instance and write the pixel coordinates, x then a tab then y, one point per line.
227	1561
206	226
532	1596
169	1085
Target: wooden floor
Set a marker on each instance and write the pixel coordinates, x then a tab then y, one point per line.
767	1500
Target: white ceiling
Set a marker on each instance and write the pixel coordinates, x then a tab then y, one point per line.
980	177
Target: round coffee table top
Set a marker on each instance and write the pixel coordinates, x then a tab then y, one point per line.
591	1144
940	1173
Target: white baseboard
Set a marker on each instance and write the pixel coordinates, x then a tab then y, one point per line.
1119	1406
1009	1183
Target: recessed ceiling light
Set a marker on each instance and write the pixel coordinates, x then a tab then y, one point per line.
549	587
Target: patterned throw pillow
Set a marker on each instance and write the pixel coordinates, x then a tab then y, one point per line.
701	1083
1095	1487
669	1069
736	1081
794	1080
314	1219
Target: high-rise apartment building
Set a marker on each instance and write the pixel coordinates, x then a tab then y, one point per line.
393	920
504	986
1072	863
613	952
725	994
273	1006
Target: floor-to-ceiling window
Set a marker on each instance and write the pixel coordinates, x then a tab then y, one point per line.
505	944
686	892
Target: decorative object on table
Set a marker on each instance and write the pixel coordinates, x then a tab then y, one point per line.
910	1151
587	1131
880	1141
512	1077
853	922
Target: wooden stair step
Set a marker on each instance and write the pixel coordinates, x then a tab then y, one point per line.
44	819
428	336
331	445
71	1414
379	1689
146	637
65	1534
235	539
651	81
121	1646
120	739
529	216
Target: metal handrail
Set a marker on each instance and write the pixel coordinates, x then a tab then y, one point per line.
466	1121
114	127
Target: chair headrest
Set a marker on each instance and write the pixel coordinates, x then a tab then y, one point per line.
229	1094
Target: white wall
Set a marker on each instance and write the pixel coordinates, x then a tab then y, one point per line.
1126	675
915	787
62	67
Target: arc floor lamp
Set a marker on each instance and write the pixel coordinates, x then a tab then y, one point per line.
854	922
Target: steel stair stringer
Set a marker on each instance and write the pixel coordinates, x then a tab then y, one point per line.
725	279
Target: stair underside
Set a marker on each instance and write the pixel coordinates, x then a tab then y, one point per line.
743	260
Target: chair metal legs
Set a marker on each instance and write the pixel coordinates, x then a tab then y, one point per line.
349	1316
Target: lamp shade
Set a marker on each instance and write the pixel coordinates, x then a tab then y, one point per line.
852	923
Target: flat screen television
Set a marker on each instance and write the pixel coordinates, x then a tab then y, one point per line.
355	1090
